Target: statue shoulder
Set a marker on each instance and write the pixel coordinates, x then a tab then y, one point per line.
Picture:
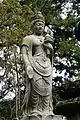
27	40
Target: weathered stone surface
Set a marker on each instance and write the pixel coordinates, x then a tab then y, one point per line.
44	117
37	52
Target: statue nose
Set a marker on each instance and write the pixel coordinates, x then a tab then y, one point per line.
40	28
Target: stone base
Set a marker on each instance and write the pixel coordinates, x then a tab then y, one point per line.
40	117
58	117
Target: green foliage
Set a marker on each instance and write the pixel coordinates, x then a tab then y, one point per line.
15	21
5	110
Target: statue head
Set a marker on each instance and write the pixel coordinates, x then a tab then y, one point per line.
37	23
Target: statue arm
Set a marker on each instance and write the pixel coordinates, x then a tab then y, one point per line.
25	55
28	67
48	43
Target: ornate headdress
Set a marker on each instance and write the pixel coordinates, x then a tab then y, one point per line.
37	17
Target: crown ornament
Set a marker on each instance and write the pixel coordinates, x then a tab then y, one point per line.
38	17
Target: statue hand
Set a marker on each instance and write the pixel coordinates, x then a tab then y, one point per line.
30	72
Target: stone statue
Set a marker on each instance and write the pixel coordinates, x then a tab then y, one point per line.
37	52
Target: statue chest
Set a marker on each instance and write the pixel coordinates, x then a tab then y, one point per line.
37	40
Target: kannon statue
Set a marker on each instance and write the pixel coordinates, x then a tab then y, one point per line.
37	51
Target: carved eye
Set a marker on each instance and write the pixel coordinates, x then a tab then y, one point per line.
39	24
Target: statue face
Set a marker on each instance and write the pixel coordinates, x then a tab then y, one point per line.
38	28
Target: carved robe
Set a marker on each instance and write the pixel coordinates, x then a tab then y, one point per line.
41	84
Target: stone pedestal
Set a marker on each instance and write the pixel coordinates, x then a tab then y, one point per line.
40	117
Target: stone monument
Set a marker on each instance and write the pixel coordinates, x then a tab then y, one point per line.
37	52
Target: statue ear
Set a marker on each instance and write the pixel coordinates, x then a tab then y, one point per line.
77	31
